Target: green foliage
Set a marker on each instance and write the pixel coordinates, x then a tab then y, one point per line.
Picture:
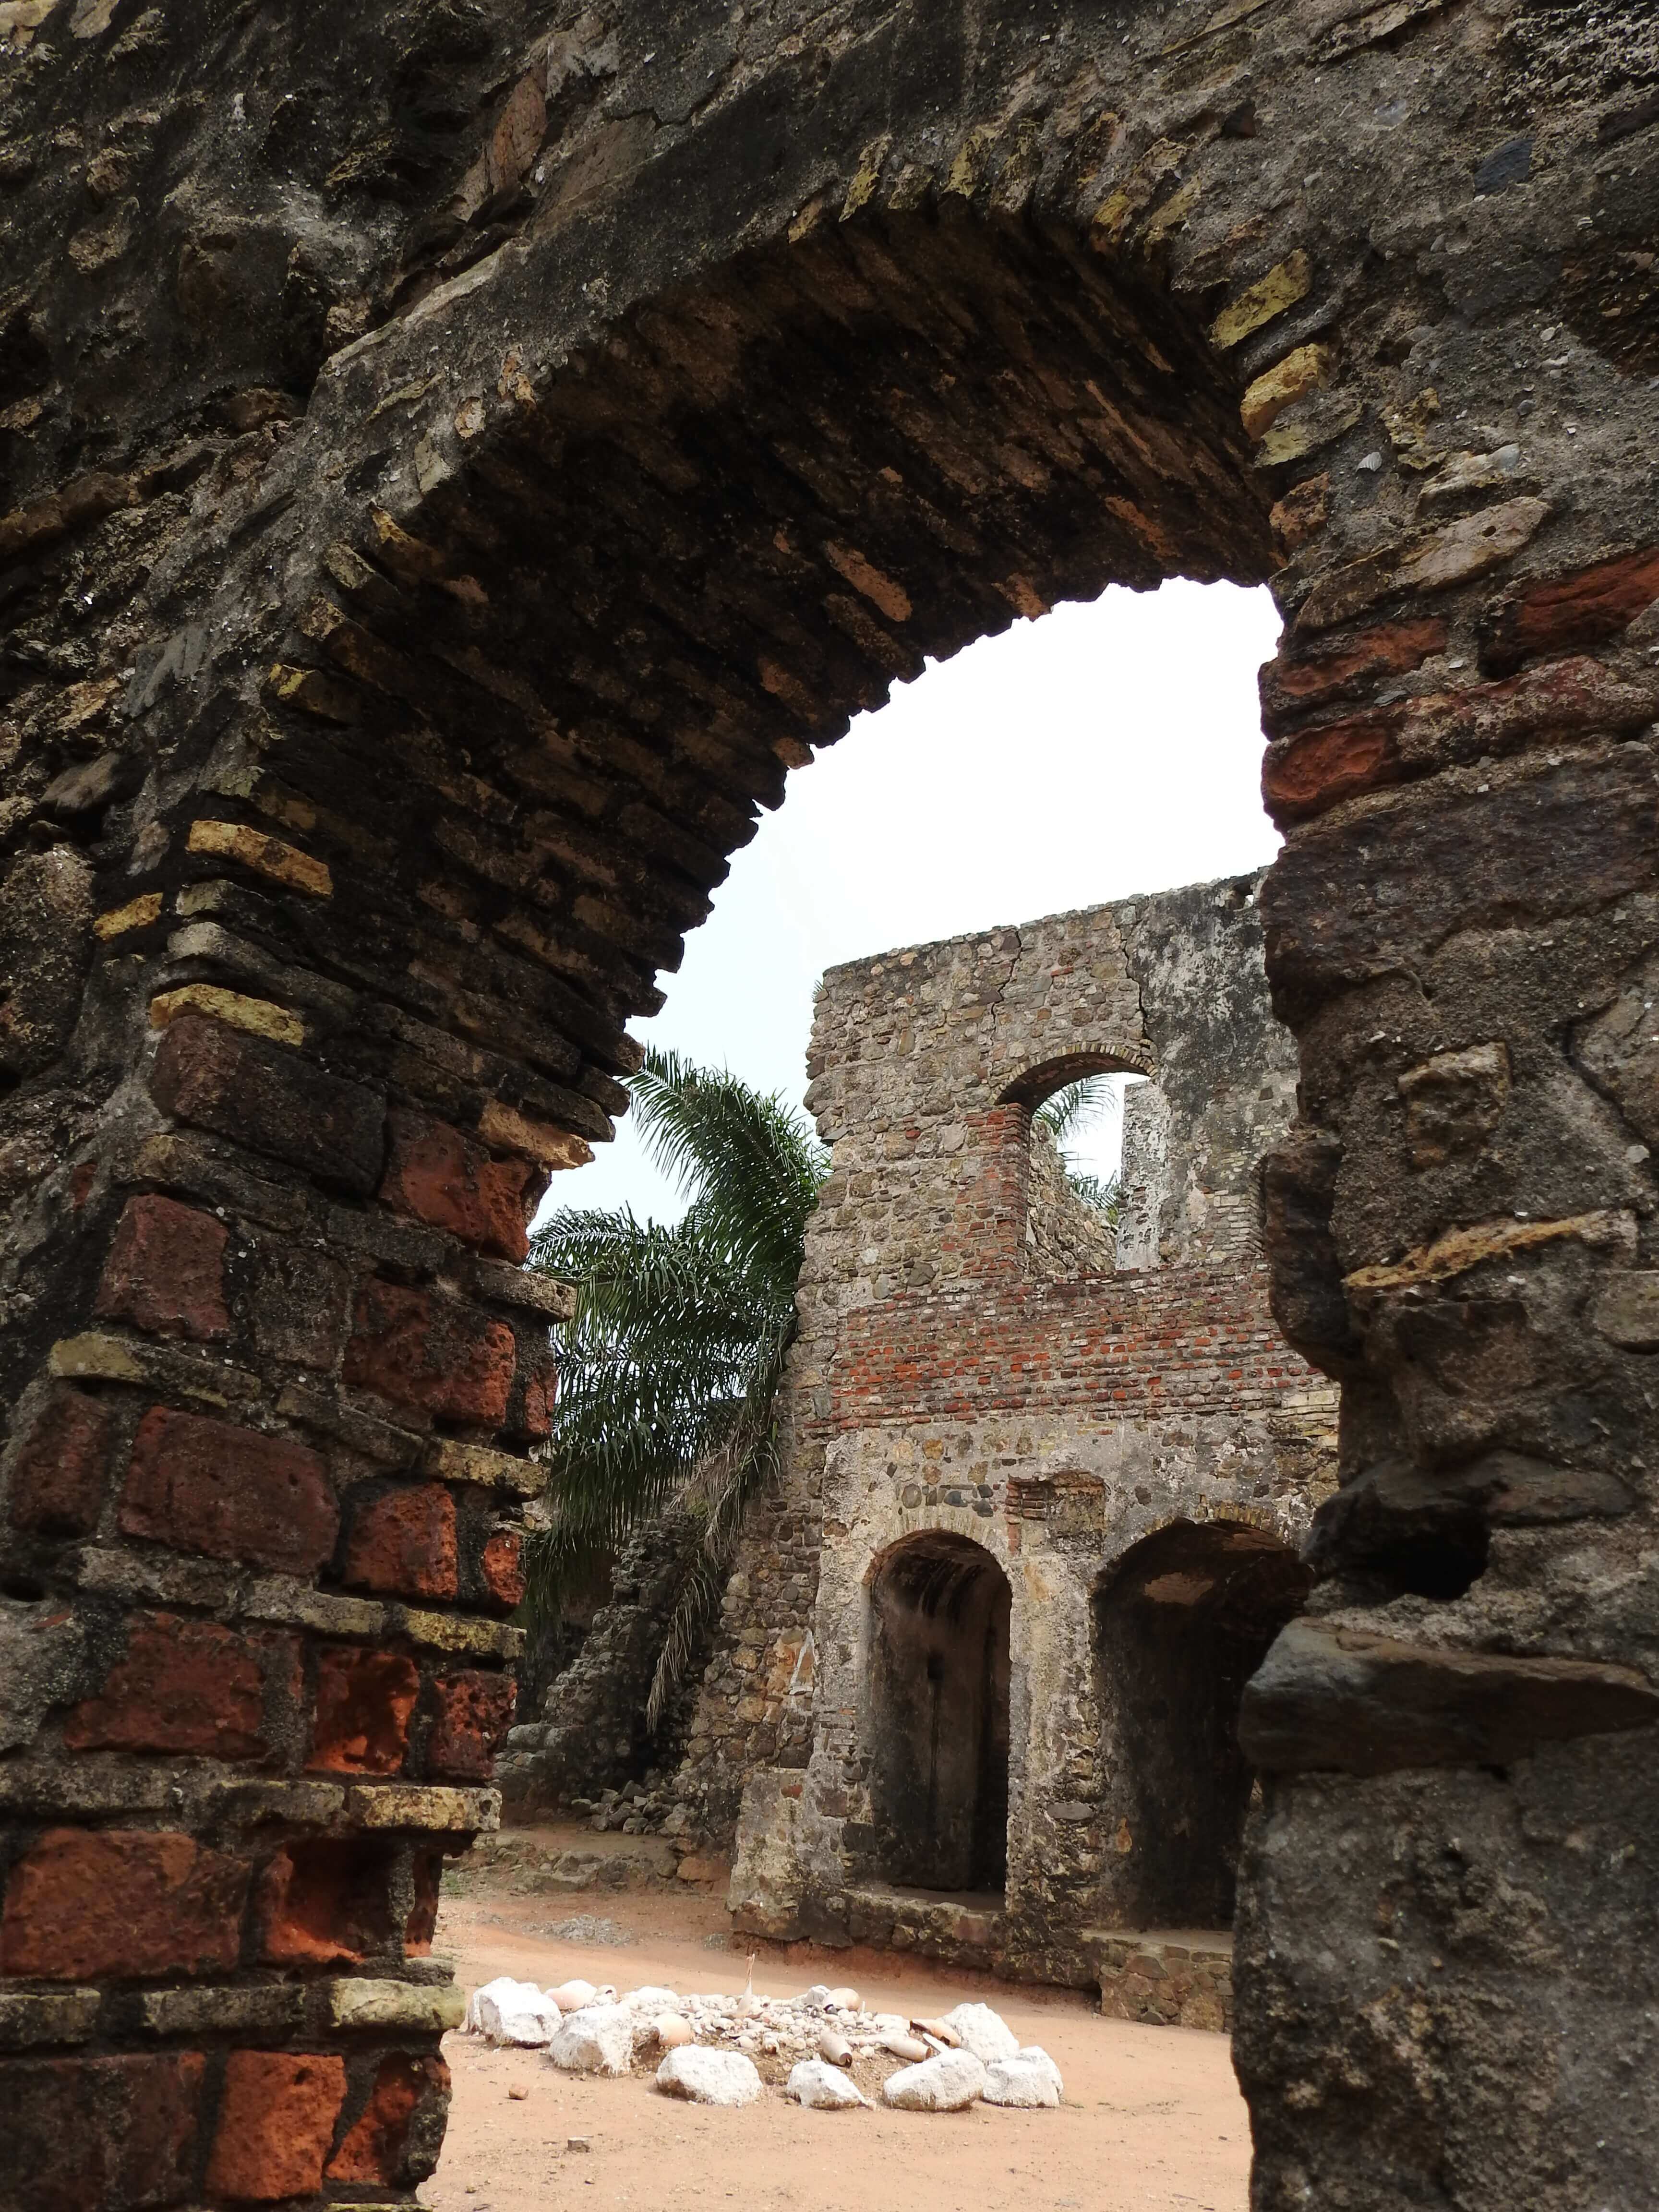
668	1370
1071	1110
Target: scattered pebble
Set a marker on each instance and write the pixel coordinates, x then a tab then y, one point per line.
516	2091
590	1927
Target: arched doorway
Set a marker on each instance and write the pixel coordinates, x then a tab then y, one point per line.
1181	1622
938	1688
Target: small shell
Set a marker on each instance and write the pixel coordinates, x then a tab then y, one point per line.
939	2030
834	2046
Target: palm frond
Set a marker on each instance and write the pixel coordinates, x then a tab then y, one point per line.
751	1164
670	1367
1078	1106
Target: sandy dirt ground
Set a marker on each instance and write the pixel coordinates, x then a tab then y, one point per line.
1152	2118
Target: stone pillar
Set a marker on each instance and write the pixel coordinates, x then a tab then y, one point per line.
1446	1981
262	1509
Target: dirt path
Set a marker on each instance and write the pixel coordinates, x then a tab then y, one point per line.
1152	2118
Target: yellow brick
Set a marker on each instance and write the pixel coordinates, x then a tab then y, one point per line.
537	1140
1296	439
137	913
1260	302
258	1016
265	855
95	1359
1285	382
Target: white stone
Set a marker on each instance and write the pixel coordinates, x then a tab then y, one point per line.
708	2077
598	2039
825	2088
982	2031
574	1996
944	2083
1029	2079
650	2000
506	2011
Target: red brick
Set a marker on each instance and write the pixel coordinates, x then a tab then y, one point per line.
99	2135
501	1565
205	1485
1585	608
299	1304
474	1713
376	2149
187	1685
325	1902
274	1101
276	2124
1305	774
424	1350
364	1699
84	1904
57	1485
539	1390
439	1175
405	1542
1291	687
165	1271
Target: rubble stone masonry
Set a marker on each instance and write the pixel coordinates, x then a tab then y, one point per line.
458	463
978	1364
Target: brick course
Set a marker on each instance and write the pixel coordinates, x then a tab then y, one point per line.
189	1686
205	1485
82	1904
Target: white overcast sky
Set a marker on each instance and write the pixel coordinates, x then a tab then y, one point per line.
1102	749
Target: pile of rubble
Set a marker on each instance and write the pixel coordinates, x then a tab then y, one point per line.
822	2048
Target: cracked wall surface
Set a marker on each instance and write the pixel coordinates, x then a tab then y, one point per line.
460	461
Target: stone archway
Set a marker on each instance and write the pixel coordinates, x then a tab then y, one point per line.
461	465
936	1727
1181	1622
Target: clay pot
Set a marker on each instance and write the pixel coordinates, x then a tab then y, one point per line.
834	2046
939	2030
574	1996
671	2030
910	2047
843	2000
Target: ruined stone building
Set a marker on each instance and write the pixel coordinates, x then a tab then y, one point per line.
457	461
1045	1486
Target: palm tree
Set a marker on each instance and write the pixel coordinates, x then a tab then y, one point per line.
670	1369
1072	1109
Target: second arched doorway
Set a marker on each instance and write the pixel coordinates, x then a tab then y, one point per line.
938	1719
1181	1622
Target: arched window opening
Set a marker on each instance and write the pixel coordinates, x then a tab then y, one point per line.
938	1696
1181	1625
1073	1189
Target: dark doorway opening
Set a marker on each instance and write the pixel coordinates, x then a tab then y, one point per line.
939	1715
1181	1624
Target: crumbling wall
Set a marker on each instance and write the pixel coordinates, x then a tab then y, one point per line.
591	1735
1042	1418
457	464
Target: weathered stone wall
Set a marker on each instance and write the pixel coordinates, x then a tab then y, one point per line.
591	1734
478	454
953	1381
